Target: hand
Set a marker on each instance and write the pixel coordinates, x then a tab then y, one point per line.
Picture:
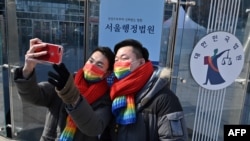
71	94
30	54
60	79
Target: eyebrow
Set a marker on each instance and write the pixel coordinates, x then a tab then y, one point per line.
122	55
97	62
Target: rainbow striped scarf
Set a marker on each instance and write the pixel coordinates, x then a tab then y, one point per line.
69	131
123	91
123	108
91	93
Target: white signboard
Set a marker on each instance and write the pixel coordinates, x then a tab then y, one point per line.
138	19
217	60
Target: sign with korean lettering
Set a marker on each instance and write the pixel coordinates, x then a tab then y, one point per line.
217	60
138	19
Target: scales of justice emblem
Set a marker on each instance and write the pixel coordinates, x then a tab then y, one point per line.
217	60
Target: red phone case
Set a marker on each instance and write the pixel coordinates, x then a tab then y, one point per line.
54	55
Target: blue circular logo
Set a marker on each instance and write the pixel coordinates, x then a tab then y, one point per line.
217	60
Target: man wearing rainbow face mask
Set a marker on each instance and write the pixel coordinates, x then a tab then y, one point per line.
78	106
144	107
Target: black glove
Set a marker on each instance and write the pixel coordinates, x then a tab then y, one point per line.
69	95
59	80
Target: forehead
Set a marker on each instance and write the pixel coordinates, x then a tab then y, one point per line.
127	50
99	57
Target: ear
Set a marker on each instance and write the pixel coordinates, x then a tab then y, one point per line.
142	61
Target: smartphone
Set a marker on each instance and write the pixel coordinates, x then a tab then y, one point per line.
54	55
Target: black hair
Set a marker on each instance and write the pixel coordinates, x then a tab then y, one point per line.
107	52
140	51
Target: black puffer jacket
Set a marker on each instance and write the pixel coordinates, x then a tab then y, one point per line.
160	115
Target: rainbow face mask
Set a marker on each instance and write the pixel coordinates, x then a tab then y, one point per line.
122	69
92	73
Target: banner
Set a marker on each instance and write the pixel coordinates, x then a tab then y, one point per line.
138	19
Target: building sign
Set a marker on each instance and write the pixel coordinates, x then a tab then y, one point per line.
217	60
137	19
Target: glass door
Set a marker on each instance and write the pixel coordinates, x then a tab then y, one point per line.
206	111
2	97
42	30
63	29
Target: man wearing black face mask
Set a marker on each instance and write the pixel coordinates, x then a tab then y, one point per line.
143	106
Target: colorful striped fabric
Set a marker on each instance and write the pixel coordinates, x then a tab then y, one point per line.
123	108
122	69
91	93
69	131
92	73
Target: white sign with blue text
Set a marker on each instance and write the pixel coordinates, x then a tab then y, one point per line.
138	19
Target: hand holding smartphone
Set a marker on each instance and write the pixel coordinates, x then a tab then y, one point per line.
53	56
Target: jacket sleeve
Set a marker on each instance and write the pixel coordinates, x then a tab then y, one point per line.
92	122
40	94
90	119
171	122
172	127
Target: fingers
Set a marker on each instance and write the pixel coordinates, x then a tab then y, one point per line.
36	49
57	68
56	80
35	45
53	82
62	66
53	75
60	79
62	70
35	41
65	71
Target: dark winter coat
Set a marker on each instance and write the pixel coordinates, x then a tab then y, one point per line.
159	114
90	120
